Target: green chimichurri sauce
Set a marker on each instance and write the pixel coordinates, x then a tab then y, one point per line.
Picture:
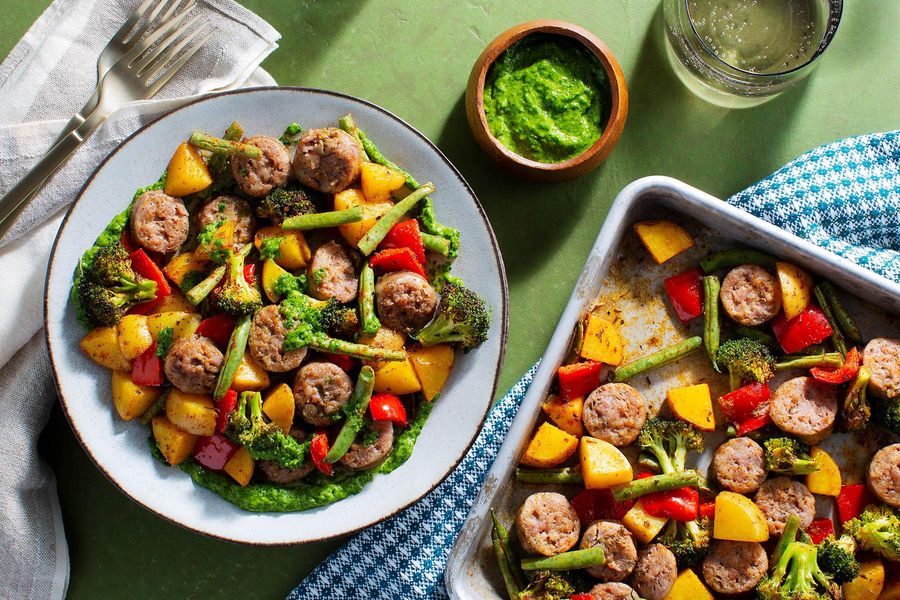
547	98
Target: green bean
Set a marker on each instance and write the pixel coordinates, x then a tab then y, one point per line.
370	322
233	355
657	359
381	228
736	257
755	334
323	343
657	483
435	243
216	145
574	559
711	332
323	220
509	582
355	409
788	535
846	322
802	361
157	407
349	125
836	336
217	163
564	475
503	537
196	294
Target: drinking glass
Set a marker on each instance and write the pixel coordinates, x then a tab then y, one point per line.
740	53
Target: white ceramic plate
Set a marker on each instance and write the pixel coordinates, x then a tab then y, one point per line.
119	448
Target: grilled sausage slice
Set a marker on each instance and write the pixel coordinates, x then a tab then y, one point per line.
547	524
884	475
615	412
363	456
193	364
331	274
805	408
750	295
267	342
882	357
740	465
321	389
231	208
259	176
618	547
655	572
780	498
405	301
613	590
159	222
327	160
734	567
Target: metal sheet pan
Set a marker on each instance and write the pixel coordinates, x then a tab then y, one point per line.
619	277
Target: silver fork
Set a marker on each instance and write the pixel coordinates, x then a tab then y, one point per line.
121	43
138	75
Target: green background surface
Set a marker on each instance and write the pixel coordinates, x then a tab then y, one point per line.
413	58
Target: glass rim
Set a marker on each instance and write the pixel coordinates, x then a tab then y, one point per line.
835	12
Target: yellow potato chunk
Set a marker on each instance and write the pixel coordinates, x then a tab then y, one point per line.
602	341
549	447
134	335
641	524
827	480
353	232
384	338
279	407
102	346
432	366
796	288
175	302
693	403
249	375
183	324
663	239
397	377
271	273
130	399
182	264
240	466
193	413
565	415
293	251
175	444
688	586
738	519
869	584
378	181
602	464
186	173
222	239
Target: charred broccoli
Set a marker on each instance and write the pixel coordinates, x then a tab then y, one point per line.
787	456
547	585
877	529
237	296
282	203
462	317
796	574
887	414
263	440
837	558
745	359
109	286
668	441
856	410
340	321
688	541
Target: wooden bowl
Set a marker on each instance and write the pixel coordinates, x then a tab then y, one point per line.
525	167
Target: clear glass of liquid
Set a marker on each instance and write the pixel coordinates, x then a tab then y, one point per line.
740	53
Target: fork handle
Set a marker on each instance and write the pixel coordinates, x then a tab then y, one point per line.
81	116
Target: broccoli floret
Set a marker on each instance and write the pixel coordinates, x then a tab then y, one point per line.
877	529
688	541
836	557
288	283
236	296
109	286
887	414
745	359
462	317
668	441
787	456
340	321
797	576
547	585
263	440
282	203
856	410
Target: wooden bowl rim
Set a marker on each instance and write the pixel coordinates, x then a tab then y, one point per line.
590	41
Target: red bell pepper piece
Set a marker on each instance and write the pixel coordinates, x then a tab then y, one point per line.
214	451
578	379
250	273
388	407
146	268
753	423
318	448
147	368
682	504
852	499
128	241
218	328
686	293
842	374
224	406
591	505
342	360
397	259
708	509
745	402
581	597
406	234
808	328
820	529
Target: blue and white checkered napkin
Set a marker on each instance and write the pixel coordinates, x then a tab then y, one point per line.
843	196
